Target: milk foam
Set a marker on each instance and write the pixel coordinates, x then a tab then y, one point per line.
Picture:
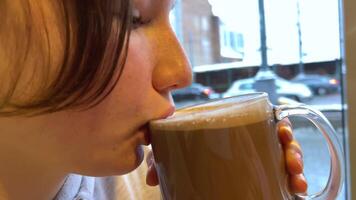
225	113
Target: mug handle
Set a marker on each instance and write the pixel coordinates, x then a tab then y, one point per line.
335	181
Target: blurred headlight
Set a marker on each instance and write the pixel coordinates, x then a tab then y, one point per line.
333	81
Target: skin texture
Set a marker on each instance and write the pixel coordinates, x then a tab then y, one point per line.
37	153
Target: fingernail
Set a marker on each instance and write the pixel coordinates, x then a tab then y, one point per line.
286	133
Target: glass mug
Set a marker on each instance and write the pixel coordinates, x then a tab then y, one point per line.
229	149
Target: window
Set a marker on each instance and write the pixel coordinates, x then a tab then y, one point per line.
302	53
232	44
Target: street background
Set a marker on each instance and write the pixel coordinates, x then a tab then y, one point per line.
232	42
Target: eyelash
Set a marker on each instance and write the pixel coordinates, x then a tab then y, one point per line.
137	22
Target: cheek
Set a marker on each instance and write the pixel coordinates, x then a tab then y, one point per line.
135	83
123	111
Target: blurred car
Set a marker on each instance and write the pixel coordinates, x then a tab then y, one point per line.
295	91
319	84
195	91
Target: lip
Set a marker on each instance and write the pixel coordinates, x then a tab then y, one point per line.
145	128
168	113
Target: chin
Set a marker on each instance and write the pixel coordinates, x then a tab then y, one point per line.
137	159
133	161
115	167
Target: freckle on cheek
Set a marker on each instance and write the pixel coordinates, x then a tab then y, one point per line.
114	148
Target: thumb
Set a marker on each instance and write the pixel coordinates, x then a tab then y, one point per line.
151	176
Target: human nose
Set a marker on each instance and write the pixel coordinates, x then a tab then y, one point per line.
172	70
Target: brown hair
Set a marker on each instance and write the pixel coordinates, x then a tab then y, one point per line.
94	38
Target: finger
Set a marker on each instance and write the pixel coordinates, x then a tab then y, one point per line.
151	177
295	146
285	122
294	161
284	132
298	183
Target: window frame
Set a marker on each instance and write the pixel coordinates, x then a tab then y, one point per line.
349	38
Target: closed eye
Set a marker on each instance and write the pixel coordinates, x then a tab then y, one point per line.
137	22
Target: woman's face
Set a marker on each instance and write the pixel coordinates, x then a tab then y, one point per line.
107	139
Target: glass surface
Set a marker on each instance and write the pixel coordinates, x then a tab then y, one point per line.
298	61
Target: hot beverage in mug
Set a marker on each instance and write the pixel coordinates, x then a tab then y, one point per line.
227	149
